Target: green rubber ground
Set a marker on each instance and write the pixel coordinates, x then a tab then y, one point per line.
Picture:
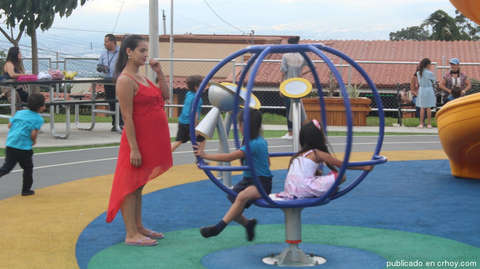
185	249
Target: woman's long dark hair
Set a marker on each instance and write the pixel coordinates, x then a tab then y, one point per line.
130	42
311	138
423	64
12	57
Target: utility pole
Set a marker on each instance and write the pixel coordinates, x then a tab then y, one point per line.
153	50
164	19
170	110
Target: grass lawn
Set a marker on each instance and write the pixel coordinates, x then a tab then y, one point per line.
268	118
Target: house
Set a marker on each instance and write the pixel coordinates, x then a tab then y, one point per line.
388	63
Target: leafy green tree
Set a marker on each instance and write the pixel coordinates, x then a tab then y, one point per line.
410	33
468	29
29	15
443	26
440	26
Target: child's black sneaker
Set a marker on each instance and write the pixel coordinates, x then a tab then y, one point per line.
27	193
250	229
209	231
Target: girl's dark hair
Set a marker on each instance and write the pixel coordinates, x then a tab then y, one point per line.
130	42
12	56
35	101
193	82
312	138
423	64
255	122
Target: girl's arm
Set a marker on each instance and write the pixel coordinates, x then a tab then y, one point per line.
326	157
33	135
219	157
414	85
162	83
10	69
125	89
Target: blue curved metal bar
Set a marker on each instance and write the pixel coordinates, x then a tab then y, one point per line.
372	86
313	201
281	154
381	117
201	88
348	111
236	103
376	160
319	91
246	126
260	53
223	168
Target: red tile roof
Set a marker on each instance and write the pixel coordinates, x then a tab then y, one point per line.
384	75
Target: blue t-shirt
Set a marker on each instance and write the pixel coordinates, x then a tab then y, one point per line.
23	123
259	151
187	106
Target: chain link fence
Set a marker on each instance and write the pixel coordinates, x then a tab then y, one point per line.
266	87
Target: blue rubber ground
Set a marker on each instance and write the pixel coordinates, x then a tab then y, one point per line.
336	257
412	196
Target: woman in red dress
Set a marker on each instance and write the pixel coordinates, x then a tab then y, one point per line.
145	151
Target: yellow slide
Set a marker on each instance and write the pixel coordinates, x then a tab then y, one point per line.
459	131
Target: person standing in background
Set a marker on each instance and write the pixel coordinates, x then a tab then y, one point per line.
292	66
106	66
454	82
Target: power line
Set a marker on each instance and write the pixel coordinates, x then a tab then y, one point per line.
118	16
222	19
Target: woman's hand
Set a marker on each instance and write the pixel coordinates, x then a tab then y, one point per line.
155	65
135	158
368	168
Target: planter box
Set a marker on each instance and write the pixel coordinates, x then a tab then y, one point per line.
336	111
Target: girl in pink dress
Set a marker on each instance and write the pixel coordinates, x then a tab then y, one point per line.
304	178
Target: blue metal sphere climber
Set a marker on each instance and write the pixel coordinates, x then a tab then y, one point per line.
258	55
292	255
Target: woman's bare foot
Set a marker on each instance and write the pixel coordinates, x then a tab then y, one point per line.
140	240
149	233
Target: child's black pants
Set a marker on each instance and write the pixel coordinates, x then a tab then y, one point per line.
24	159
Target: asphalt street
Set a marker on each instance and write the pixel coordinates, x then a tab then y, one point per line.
59	167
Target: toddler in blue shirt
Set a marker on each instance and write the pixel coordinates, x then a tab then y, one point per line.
24	127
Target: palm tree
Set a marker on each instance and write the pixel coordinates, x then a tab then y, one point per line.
443	26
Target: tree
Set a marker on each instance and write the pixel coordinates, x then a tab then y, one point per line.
440	26
410	33
29	15
443	26
468	29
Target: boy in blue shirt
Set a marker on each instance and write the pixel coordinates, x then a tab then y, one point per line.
24	127
183	132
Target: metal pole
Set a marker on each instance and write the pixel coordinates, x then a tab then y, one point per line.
170	110
164	20
153	29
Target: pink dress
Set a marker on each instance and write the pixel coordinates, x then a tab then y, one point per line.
301	181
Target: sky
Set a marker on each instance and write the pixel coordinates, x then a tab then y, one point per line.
82	33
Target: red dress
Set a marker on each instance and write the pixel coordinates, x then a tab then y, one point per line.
153	139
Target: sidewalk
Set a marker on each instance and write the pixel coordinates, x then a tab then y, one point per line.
101	134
